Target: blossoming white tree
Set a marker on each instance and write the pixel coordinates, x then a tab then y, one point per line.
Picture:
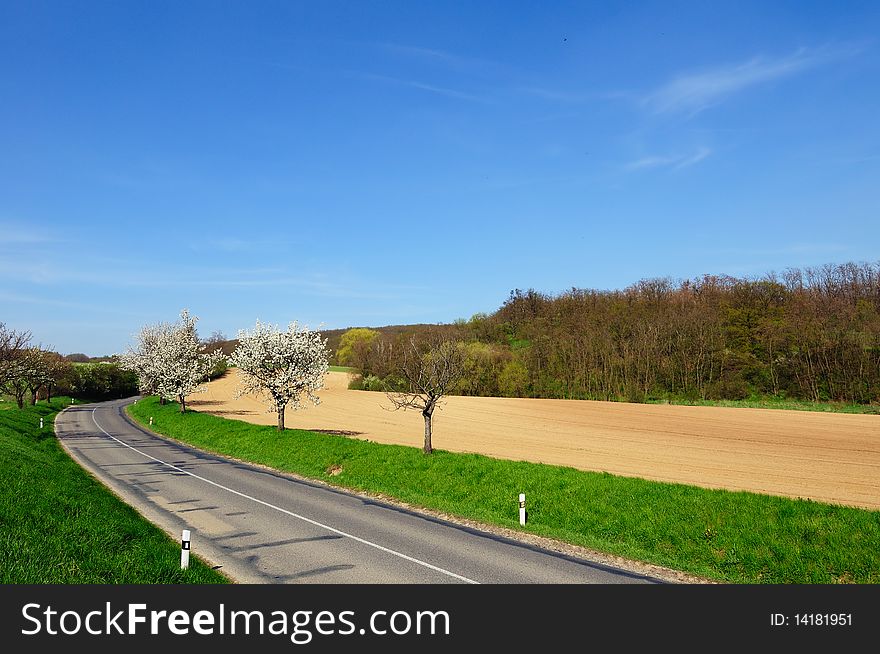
282	366
13	348
39	370
184	367
168	360
23	373
144	359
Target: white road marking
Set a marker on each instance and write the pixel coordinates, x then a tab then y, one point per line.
285	511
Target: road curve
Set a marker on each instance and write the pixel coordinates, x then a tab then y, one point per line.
261	526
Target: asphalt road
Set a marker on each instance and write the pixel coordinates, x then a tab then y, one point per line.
265	527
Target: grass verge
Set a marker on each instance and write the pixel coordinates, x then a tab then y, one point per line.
730	536
58	525
769	402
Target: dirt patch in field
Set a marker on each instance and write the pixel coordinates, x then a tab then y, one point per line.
829	457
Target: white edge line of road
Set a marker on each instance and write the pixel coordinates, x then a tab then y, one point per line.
285	511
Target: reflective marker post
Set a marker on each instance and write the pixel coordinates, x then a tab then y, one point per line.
184	550
522	509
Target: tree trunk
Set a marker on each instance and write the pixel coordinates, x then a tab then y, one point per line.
33	398
279	408
182	403
427	413
49	394
161	401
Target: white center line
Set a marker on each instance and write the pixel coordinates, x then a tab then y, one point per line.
285	511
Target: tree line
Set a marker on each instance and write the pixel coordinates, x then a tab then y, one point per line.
32	372
809	333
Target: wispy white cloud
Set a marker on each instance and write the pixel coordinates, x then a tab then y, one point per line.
106	273
18	234
452	93
858	159
572	97
425	53
556	95
18	298
653	161
443	57
550	118
239	245
695	92
675	162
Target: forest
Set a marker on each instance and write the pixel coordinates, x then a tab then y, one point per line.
810	334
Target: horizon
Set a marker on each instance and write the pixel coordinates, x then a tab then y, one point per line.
354	165
676	283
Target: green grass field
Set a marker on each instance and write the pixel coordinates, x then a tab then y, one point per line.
770	402
734	537
756	402
58	525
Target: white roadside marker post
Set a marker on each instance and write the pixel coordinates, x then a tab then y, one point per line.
41	423
522	509
184	550
151	421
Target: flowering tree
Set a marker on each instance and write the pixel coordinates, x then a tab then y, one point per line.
38	371
59	368
22	372
184	367
144	360
168	360
282	366
13	361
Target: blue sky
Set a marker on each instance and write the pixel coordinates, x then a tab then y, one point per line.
378	163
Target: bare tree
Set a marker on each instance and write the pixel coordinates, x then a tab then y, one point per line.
12	344
215	341
430	369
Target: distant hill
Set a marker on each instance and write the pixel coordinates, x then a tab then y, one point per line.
333	336
79	357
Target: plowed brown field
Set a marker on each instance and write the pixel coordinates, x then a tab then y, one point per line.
829	457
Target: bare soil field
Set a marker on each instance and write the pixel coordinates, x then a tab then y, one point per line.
829	457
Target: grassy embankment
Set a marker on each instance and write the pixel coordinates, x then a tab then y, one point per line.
735	537
58	525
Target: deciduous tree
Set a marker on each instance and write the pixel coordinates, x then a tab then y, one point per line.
357	349
37	371
145	358
169	361
14	362
431	367
283	366
184	368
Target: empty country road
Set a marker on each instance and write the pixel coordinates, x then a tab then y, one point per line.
265	527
